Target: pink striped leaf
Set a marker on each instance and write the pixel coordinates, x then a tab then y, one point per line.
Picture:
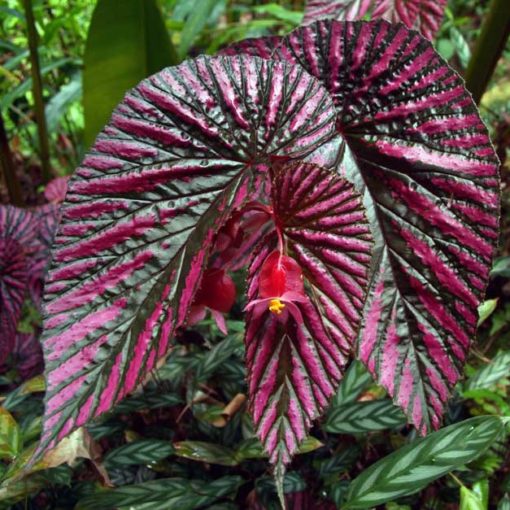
18	244
341	10
25	241
415	147
26	351
184	149
295	360
423	15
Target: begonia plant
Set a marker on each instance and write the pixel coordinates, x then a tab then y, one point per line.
344	165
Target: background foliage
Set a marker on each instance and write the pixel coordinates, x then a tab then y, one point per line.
185	440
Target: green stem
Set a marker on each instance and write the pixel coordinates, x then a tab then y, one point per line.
37	90
7	167
488	48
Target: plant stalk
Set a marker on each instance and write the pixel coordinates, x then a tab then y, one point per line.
37	90
7	166
488	48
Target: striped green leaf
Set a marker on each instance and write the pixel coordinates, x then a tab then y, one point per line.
359	417
292	482
355	380
490	374
217	356
165	493
144	451
411	468
337	463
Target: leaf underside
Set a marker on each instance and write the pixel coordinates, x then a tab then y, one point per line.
293	370
423	15
416	149
127	41
184	149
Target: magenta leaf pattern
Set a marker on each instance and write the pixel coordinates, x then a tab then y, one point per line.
18	246
26	236
422	15
341	10
184	150
416	148
295	360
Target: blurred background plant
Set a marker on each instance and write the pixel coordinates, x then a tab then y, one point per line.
185	440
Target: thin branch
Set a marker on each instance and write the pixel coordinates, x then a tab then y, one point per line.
488	49
7	166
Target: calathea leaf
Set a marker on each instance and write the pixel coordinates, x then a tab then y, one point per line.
354	382
184	149
164	493
298	339
416	149
422	15
409	469
361	417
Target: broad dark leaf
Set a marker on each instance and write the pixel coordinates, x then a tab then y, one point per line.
203	451
126	42
422	15
293	368
416	149
184	149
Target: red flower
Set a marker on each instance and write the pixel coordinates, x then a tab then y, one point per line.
280	287
217	293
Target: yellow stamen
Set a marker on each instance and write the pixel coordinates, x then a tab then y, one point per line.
276	306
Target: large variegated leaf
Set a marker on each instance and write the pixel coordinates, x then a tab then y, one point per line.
416	148
293	368
422	15
183	150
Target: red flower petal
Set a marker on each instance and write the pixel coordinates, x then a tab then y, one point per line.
217	291
280	274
